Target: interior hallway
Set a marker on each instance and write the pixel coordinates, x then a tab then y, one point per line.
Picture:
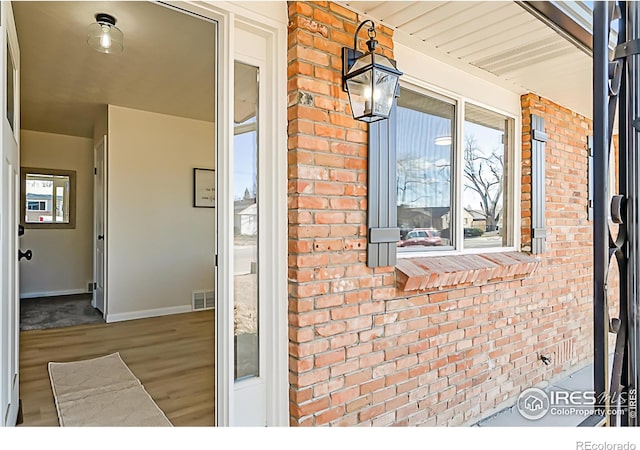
172	356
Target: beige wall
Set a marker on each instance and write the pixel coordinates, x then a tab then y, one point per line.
62	259
160	248
101	126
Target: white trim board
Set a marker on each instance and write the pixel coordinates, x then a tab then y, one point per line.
53	293
147	313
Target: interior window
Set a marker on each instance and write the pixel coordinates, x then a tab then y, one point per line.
48	198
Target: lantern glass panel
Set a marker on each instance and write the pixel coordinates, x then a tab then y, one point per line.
360	94
383	92
382	60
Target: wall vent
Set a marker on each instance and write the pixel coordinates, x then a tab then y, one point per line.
565	351
561	352
202	300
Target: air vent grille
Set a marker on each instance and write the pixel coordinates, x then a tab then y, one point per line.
202	300
561	352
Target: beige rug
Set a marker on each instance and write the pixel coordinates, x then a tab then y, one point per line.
102	392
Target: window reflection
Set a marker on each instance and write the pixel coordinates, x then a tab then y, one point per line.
424	157
485	139
437	206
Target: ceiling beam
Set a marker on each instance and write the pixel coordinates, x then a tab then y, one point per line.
561	23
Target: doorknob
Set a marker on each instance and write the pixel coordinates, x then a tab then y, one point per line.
28	254
100	237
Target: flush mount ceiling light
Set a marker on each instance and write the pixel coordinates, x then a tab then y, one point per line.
104	36
370	79
443	140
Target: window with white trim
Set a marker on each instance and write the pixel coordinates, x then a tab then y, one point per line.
454	175
36	206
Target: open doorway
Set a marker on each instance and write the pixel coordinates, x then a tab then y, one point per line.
56	219
136	133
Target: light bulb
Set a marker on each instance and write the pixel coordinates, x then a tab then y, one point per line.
370	100
105	39
367	99
104	36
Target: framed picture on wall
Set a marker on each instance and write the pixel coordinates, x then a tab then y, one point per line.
204	188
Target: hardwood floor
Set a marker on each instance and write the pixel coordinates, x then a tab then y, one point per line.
173	357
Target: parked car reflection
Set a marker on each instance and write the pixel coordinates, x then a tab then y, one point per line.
421	236
468	232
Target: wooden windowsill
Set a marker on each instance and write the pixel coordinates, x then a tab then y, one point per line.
454	271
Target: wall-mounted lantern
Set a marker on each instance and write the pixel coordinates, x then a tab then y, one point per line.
370	79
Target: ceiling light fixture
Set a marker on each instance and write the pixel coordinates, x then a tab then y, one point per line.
443	140
104	36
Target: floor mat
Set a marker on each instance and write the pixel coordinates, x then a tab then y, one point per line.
102	392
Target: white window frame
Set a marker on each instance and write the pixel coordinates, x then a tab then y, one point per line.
513	179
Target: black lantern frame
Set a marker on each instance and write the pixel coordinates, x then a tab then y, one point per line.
375	72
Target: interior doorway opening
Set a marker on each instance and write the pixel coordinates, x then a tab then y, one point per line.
136	129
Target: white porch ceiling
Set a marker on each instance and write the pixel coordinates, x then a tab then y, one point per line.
497	40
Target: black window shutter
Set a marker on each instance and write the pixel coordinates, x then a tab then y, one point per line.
538	196
382	217
590	166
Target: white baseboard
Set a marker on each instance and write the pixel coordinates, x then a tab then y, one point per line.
144	314
53	293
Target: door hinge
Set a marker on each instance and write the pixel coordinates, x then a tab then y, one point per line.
95	171
216	261
95	285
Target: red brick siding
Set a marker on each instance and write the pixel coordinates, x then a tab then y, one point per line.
332	294
360	352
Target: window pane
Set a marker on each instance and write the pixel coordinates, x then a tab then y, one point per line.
10	88
424	157
47	198
485	193
245	245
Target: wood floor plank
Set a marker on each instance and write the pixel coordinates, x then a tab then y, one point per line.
173	357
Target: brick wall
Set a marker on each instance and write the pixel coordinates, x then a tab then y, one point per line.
363	352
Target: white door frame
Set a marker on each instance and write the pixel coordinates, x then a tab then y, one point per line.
9	218
232	17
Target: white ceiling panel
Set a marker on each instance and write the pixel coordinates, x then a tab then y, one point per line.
467	44
451	17
409	11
